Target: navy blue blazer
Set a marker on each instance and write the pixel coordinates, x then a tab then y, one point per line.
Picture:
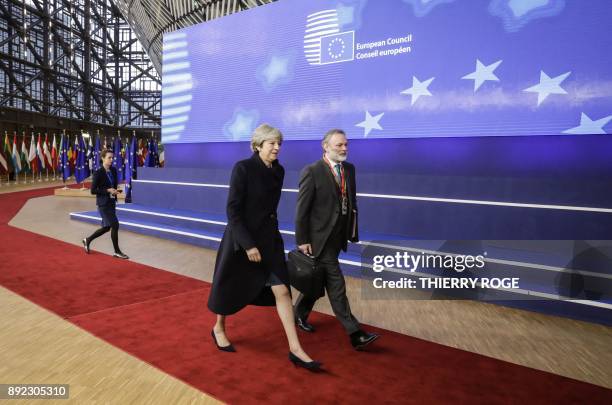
100	183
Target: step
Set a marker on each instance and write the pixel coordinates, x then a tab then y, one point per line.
533	298
208	222
545	280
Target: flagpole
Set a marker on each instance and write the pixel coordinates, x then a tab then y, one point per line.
40	168
25	173
52	162
31	163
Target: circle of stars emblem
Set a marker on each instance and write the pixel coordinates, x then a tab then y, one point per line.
336	48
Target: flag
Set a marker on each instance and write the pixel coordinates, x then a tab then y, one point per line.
32	155
47	153
64	160
79	170
75	151
15	156
132	167
7	154
117	160
142	152
60	165
89	163
96	154
128	175
162	156
69	149
124	155
40	154
147	162
4	163
155	153
134	157
54	155
152	159
70	154
25	163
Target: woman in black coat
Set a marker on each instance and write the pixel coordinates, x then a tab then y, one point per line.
250	266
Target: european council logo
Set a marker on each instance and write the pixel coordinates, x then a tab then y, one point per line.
323	41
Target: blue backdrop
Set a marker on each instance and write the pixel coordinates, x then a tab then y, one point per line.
392	69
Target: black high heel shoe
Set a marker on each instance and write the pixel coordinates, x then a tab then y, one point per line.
229	348
310	366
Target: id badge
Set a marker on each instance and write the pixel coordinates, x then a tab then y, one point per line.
344	205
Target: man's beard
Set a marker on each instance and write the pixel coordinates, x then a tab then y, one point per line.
337	157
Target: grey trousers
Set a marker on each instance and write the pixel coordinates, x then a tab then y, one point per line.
334	285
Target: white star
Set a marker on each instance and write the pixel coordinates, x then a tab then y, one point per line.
418	89
548	86
370	123
346	14
242	126
522	7
276	69
483	73
588	126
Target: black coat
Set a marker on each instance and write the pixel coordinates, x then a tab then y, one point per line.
253	198
318	206
100	183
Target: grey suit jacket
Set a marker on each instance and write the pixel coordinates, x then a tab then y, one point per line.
318	206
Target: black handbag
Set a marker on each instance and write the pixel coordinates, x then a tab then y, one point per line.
304	274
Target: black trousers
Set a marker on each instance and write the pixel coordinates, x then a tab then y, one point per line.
109	223
335	285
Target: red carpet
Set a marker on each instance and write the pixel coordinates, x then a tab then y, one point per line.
162	319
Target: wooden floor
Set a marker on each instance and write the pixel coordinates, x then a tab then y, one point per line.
562	346
37	346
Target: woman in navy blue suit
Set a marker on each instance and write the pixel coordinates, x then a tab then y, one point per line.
104	186
250	266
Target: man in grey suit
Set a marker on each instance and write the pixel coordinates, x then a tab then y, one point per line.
326	219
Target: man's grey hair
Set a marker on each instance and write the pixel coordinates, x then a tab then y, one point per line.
265	132
331	133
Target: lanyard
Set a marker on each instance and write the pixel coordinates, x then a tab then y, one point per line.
342	178
109	176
